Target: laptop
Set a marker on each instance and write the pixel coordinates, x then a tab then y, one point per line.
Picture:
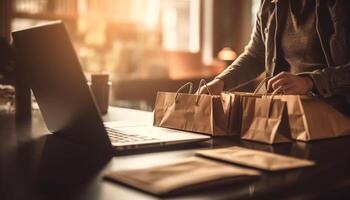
48	61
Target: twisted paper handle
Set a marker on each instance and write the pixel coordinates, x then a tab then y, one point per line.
189	84
202	83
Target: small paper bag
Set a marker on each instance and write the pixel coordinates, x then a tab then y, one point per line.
311	118
206	114
265	119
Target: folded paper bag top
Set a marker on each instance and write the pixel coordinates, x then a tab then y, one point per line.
185	174
257	159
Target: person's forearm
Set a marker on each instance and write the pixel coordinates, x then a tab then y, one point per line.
244	69
331	81
250	63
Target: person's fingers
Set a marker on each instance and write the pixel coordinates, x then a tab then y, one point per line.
204	90
215	87
280	82
287	89
292	90
272	80
291	84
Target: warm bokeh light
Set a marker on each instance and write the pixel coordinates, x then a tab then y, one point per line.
141	41
137	38
124	37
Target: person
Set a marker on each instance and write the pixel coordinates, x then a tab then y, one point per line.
302	45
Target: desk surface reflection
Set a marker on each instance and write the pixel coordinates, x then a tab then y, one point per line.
37	165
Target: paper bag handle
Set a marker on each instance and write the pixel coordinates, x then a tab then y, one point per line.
279	89
260	85
274	93
202	83
189	84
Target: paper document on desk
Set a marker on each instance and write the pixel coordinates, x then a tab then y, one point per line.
184	175
256	159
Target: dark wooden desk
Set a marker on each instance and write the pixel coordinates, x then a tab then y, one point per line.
37	165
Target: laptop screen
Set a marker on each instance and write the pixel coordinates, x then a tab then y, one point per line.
48	61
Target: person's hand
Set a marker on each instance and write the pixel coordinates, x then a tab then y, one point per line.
291	84
215	86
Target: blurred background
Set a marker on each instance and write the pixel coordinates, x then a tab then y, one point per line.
145	45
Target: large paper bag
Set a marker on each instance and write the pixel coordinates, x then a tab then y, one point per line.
311	118
206	114
264	119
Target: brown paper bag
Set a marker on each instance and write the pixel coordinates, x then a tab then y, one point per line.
265	119
235	121
235	116
184	175
257	159
207	114
311	118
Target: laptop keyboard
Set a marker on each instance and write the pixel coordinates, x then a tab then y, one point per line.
117	136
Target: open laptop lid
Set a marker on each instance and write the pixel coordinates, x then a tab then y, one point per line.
47	59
